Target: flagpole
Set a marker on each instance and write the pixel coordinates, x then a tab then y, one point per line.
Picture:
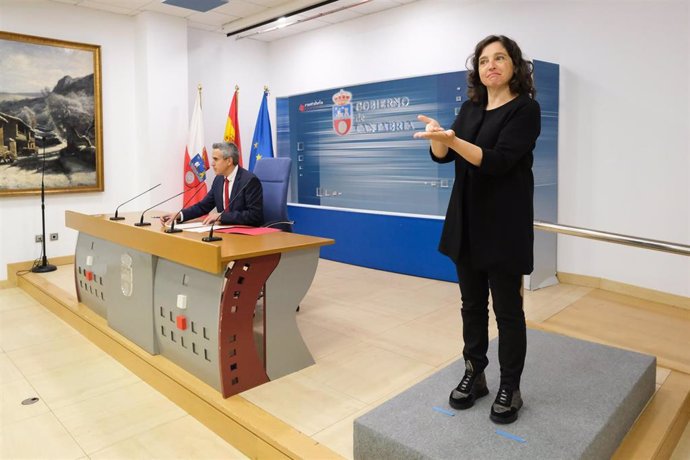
262	143
195	150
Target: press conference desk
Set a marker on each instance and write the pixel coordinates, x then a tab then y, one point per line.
194	302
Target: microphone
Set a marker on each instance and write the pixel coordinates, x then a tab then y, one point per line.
141	222
210	236
116	209
172	228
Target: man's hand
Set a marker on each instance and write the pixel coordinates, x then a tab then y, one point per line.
211	218
168	217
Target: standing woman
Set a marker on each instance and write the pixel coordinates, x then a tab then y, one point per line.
488	231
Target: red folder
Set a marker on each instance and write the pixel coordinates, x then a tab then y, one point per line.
247	230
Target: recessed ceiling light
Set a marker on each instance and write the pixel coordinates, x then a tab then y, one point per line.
196	5
238	31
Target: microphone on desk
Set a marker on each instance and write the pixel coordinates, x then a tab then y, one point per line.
172	228
210	236
141	222
115	217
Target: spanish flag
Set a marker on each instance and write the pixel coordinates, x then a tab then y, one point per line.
232	126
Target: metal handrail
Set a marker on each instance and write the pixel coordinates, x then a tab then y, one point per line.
655	245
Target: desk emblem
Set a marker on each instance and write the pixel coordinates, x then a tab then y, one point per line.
126	275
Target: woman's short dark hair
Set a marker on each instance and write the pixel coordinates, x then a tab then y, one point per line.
523	70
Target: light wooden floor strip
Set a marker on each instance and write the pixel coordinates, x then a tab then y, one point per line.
659	428
619	320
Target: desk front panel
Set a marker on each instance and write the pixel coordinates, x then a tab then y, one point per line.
186	331
116	282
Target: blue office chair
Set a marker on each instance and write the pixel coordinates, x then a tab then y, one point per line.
274	174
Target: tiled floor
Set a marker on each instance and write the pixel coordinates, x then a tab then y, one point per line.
89	405
372	334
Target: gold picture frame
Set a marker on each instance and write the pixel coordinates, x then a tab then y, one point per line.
51	128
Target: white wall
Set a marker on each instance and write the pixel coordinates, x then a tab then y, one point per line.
623	132
150	69
219	63
21	216
162	111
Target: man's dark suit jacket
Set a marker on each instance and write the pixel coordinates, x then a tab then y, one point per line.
246	201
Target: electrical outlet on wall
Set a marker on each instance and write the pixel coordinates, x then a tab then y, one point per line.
38	238
53	237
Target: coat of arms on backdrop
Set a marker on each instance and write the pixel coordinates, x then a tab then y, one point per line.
342	112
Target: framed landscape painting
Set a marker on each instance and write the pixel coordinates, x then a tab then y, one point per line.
50	116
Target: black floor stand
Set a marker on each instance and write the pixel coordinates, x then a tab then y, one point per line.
44	267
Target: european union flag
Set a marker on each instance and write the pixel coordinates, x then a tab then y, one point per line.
262	143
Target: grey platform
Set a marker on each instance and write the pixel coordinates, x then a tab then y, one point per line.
581	398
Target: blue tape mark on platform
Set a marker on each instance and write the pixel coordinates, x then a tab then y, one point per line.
510	436
404	428
444	411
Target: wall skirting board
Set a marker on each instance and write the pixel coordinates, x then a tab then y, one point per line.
641	293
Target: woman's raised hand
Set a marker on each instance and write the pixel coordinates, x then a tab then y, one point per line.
433	131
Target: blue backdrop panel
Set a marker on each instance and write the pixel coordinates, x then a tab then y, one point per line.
352	148
393	243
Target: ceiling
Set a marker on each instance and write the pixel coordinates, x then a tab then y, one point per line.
238	14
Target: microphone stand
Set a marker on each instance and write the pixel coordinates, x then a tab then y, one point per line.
115	217
45	267
210	236
172	228
141	222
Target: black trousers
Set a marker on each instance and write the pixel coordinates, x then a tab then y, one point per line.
506	292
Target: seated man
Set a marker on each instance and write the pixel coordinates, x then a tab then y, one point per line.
236	194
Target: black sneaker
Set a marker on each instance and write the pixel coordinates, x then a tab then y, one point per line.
471	387
506	406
